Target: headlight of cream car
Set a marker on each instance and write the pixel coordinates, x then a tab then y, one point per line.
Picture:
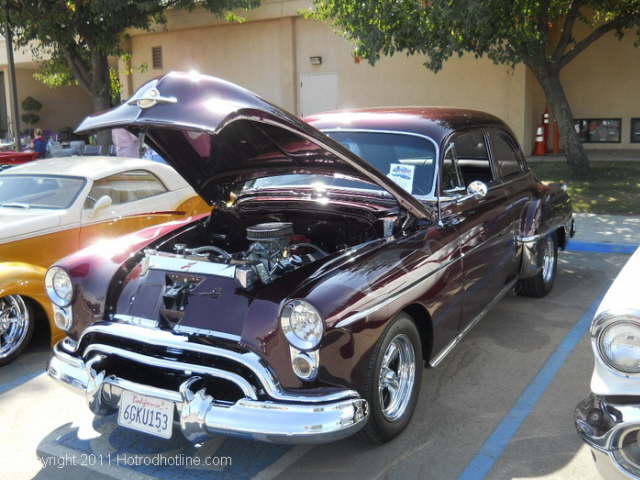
619	345
302	325
59	286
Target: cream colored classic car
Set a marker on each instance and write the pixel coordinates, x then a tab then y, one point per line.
50	208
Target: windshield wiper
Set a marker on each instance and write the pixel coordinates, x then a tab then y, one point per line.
16	205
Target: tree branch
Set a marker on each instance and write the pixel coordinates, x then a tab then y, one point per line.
77	68
567	30
589	39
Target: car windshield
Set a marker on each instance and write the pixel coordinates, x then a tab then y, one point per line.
408	160
39	191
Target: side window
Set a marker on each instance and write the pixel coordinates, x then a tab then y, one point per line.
473	157
451	179
125	187
507	159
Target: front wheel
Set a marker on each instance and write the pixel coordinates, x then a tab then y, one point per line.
393	380
16	327
541	284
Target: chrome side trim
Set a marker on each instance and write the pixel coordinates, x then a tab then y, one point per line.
163	338
243	384
458	338
538	236
345	322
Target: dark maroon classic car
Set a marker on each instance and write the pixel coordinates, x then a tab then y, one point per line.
341	257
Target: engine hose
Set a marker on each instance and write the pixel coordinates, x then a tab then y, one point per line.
308	245
211	248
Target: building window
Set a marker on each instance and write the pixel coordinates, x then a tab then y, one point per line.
156	57
635	130
598	130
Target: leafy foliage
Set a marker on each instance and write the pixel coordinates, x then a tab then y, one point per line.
506	31
30	118
80	35
538	33
30	104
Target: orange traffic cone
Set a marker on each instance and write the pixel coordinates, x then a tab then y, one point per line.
539	148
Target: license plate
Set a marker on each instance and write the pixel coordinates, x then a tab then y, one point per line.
146	414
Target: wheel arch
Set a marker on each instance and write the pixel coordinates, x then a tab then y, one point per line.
27	280
422	319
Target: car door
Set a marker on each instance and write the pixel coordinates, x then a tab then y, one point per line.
485	235
512	170
123	203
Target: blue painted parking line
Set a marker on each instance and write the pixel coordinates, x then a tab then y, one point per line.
480	465
601	247
5	387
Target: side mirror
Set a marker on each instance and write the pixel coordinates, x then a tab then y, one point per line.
478	189
103	202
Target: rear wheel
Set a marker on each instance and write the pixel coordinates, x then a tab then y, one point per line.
393	380
541	284
16	327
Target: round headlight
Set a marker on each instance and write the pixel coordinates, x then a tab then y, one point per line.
302	325
59	286
619	345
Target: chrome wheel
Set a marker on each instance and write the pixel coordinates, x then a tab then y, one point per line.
548	259
14	324
397	377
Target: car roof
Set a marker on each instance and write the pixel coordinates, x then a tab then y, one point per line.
92	167
435	122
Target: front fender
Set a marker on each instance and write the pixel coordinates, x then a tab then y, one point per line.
20	278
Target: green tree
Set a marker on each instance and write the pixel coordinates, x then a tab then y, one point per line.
81	35
539	33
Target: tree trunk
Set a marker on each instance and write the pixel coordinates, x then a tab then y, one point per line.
569	141
101	94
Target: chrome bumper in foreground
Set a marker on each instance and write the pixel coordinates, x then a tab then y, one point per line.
200	416
612	430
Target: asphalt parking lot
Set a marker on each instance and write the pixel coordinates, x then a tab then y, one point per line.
499	407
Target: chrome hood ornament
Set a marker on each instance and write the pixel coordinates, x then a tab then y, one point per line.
150	98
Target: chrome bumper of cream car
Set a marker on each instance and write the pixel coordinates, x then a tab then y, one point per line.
322	419
612	430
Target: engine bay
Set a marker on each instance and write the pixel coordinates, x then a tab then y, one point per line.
255	248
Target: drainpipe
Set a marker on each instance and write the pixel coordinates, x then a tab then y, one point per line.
8	40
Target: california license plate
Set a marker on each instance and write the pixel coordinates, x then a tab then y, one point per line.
146	414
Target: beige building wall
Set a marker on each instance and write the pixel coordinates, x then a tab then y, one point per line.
602	82
61	106
268	56
269	53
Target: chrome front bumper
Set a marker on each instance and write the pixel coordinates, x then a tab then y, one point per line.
199	415
603	425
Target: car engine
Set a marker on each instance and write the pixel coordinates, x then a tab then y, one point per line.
274	249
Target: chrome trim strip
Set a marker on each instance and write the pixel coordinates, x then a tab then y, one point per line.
134	320
206	333
174	263
458	338
243	384
251	360
345	322
538	236
200	415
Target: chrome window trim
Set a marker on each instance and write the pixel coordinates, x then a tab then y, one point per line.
436	163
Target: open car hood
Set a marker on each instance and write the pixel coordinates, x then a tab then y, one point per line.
218	135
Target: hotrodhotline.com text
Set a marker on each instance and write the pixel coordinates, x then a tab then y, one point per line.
131	460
